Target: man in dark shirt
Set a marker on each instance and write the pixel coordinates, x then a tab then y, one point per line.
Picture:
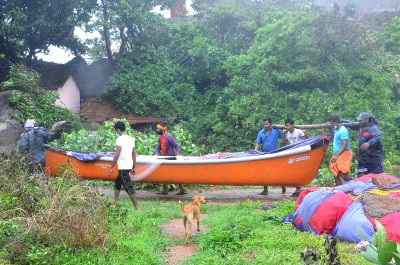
370	152
32	145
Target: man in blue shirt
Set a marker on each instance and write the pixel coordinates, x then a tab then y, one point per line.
341	158
267	138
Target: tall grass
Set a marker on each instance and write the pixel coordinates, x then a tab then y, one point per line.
37	210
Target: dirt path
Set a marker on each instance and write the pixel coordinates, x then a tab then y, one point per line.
178	253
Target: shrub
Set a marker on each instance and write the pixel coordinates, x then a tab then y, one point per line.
30	101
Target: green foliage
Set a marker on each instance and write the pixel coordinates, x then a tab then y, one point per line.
30	101
392	35
382	251
30	27
23	79
150	89
311	256
41	109
104	140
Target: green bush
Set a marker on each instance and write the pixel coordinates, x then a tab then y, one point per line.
104	140
30	101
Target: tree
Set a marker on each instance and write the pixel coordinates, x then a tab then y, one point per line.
28	27
392	36
130	27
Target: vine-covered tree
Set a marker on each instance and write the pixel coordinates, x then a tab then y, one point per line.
28	27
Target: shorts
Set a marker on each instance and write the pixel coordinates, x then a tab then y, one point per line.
124	179
363	168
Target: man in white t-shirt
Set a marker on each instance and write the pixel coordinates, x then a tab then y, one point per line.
293	135
125	157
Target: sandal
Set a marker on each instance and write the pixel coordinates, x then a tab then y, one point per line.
263	193
164	192
181	192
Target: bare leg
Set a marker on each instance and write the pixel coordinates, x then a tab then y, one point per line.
164	187
283	190
135	203
345	176
182	188
338	181
265	191
116	196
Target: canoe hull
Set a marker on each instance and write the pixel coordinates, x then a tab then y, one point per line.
293	169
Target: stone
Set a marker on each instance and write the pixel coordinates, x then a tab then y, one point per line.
10	129
10	133
58	128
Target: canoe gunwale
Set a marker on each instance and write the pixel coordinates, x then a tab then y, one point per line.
145	159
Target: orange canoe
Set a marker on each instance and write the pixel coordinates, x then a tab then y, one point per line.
294	165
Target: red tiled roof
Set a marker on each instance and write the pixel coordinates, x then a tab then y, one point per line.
100	110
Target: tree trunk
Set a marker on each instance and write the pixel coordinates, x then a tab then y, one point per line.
107	30
351	125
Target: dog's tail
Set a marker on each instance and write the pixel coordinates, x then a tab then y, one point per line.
182	207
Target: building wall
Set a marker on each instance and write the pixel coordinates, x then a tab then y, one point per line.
69	96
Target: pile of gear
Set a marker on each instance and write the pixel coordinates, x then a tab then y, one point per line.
349	211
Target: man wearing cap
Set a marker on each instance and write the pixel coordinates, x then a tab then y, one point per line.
32	145
370	148
341	158
168	146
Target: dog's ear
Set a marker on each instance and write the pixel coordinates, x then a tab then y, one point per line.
194	198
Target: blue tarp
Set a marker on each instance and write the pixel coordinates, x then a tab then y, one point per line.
307	208
86	157
353	221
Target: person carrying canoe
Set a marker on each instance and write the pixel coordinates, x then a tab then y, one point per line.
32	145
168	146
293	135
341	159
370	151
268	138
125	157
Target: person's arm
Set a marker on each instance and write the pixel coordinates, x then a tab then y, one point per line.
375	138
23	144
341	150
258	142
115	159
305	134
175	145
281	136
134	157
45	136
284	135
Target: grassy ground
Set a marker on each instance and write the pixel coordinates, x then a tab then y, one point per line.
62	221
240	233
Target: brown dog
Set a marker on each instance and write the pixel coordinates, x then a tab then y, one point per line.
191	212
